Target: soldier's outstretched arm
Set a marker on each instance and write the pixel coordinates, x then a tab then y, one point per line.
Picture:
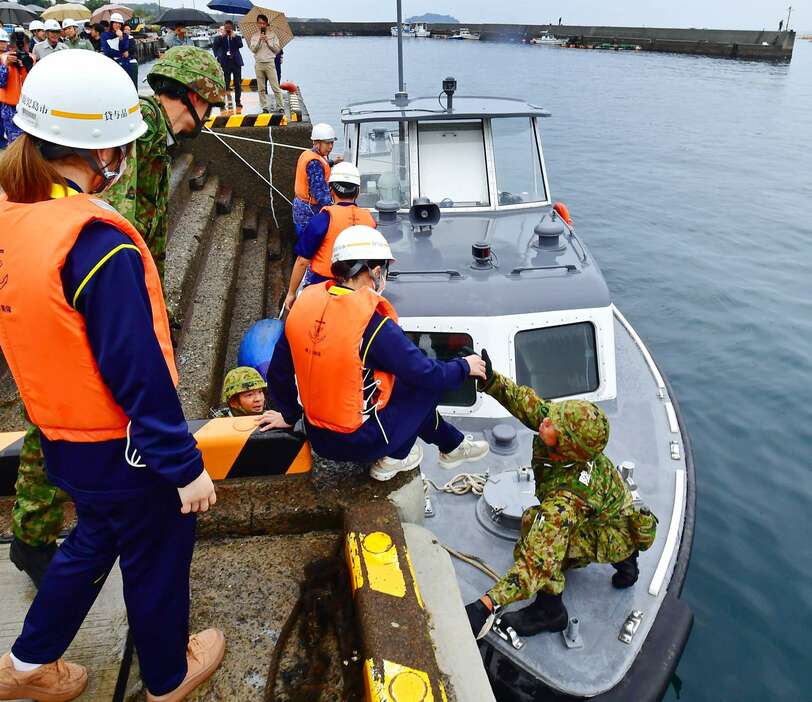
521	401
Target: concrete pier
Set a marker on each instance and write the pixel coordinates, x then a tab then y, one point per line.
761	45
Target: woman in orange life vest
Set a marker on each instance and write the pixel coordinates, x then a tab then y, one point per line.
367	391
84	330
314	248
312	174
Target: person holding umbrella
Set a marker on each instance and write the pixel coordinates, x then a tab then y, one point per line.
265	45
226	47
175	37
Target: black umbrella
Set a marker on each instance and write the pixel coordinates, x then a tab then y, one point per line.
185	16
13	13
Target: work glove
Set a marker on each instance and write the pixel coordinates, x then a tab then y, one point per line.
482	384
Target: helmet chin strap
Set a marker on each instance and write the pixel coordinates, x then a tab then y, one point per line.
53	152
187	101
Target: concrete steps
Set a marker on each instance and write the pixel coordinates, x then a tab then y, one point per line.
187	246
250	290
179	190
201	350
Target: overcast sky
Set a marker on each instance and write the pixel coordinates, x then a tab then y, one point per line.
721	14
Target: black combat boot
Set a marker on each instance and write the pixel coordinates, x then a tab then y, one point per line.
627	572
547	613
33	560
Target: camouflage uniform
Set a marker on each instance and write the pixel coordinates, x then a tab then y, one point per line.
142	196
585	513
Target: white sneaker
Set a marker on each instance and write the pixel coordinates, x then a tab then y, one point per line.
468	450
387	468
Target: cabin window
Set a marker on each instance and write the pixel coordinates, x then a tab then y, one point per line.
441	346
383	159
516	156
558	361
453	171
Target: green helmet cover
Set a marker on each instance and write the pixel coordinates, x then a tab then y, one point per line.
193	67
583	429
241	379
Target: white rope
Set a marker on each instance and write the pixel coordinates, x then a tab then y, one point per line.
270	177
474	561
255	141
206	130
460	484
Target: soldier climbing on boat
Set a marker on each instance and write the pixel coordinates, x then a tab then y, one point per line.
187	82
313	169
367	391
586	512
314	248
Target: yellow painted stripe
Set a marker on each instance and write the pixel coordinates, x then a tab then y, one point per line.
303	463
58	191
294	117
96	268
386	681
263	120
209	123
371	339
221	440
283	122
7	438
414	580
76	115
234	121
134	108
380	555
353	561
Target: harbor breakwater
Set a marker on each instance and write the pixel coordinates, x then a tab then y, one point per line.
764	45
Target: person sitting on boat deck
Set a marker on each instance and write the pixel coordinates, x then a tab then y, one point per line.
586	514
243	393
368	392
84	305
311	191
314	248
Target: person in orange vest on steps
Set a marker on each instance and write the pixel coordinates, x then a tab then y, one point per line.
15	63
314	248
368	393
85	333
311	188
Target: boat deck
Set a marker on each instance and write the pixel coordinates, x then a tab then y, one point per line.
641	432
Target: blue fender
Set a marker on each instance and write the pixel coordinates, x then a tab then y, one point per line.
258	343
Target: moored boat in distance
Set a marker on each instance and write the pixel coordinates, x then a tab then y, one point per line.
408	31
547	39
465	34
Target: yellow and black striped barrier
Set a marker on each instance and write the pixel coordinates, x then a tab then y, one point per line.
399	660
232	447
264	119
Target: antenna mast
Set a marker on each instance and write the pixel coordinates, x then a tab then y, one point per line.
401	98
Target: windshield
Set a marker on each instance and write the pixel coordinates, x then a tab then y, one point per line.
558	361
383	159
445	347
453	170
516	156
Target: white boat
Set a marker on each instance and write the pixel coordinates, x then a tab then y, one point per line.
408	31
465	33
547	39
421	32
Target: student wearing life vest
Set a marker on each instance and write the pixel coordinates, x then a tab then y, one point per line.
367	392
15	63
314	248
84	330
311	188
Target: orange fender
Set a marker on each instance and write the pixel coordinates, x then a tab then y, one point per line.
563	212
290	87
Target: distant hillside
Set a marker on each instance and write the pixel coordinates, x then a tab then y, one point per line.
431	18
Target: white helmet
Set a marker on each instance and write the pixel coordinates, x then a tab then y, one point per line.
322	132
345	173
361	243
116	17
55	106
35	26
52	25
3	35
69	23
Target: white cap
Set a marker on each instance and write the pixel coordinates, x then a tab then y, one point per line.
361	243
52	25
69	23
322	132
55	106
345	173
116	17
35	25
3	35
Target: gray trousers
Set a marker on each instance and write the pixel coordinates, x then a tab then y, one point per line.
266	71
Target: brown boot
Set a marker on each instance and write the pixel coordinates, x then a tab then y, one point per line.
54	682
203	656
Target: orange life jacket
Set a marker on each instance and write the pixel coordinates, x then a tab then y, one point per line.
10	95
325	329
43	337
341	218
302	186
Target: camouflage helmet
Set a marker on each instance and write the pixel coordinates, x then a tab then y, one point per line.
583	429
242	379
193	67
